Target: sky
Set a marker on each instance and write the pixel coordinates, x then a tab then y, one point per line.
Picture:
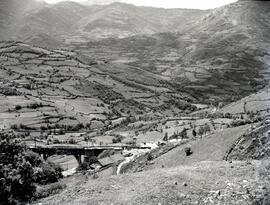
195	4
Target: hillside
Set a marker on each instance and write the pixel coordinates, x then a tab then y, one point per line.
217	55
210	148
139	105
11	11
120	20
68	88
70	22
222	57
174	178
202	183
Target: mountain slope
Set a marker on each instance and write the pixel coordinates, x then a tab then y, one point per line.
75	87
11	11
73	22
223	56
123	20
216	55
51	20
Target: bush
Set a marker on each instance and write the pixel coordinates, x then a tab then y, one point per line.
117	139
83	166
14	127
150	157
48	173
188	151
72	141
183	134
48	190
35	105
166	138
194	133
20	170
18	107
16	173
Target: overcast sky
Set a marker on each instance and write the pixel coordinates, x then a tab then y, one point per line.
198	4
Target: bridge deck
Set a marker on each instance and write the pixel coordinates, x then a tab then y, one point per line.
77	151
78	147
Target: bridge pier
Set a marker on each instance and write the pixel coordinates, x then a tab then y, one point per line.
78	157
45	156
89	156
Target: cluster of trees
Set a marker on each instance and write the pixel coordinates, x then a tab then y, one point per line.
180	135
20	126
240	122
215	115
204	129
117	139
75	127
176	135
21	170
35	105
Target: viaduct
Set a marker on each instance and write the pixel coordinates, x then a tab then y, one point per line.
81	153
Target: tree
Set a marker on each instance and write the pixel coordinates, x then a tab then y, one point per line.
20	169
188	151
201	131
117	139
166	138
194	133
16	172
183	134
213	123
18	107
241	117
207	128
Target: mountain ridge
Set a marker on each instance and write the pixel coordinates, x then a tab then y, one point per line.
71	20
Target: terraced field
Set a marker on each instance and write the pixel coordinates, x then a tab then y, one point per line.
189	107
44	89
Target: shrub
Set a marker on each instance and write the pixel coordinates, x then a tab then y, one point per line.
183	134
48	190
18	107
166	138
150	157
48	173
14	127
35	105
20	170
72	141
83	166
16	173
188	151
117	139
194	133
201	131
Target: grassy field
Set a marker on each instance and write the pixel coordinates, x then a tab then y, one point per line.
210	148
201	183
259	101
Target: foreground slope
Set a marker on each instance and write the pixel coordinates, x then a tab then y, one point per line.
173	178
201	183
212	147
